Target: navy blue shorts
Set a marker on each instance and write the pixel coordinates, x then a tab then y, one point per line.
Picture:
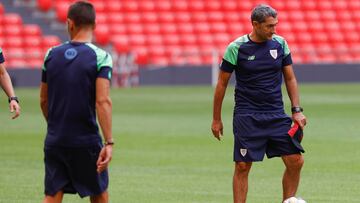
258	133
73	170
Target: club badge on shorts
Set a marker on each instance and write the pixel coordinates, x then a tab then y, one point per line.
243	152
273	53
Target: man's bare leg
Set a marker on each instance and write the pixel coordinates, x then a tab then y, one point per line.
57	198
291	176
240	181
102	198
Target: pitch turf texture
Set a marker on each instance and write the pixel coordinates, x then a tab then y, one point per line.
165	152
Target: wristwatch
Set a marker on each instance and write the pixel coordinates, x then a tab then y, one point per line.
297	109
13	98
111	142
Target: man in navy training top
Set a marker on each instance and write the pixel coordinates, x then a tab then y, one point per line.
260	125
6	85
75	88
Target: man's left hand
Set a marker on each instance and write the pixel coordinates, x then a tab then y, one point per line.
104	158
300	119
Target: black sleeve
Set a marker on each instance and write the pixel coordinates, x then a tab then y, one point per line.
227	66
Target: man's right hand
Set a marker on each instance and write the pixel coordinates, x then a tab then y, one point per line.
217	129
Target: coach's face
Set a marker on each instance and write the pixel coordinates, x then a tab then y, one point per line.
265	30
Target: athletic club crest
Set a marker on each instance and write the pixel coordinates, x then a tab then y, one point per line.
273	53
243	152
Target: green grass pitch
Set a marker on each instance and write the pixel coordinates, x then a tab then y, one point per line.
165	152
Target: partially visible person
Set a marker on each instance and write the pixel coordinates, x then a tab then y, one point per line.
6	85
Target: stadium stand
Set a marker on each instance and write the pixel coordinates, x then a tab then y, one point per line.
167	32
24	45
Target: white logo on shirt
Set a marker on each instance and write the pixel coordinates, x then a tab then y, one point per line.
273	53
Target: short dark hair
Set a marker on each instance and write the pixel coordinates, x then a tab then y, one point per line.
261	12
82	13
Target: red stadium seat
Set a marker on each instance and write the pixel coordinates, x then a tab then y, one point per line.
118	29
324	5
33	41
199	17
327	15
195	6
149	17
115	18
31	30
147	6
296	16
101	19
13	42
166	17
15	53
130	6
182	17
187	39
278	5
215	16
212	5
320	38
168	28
102	35
162	6
121	43
340	5
171	39
154	40
44	5
132	18
12	30
218	28
34	53
137	40
308	5
231	17
229	6
12	19
180	6
201	28
61	11
151	28
114	6
292	5
315	26
351	37
312	15
99	6
135	29
185	28
50	41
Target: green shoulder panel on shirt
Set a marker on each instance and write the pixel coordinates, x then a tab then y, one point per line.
283	43
48	53
231	53
0	50
45	58
103	58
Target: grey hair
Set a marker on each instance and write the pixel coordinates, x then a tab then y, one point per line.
261	12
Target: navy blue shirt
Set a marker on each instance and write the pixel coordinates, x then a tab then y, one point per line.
70	71
2	60
258	70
